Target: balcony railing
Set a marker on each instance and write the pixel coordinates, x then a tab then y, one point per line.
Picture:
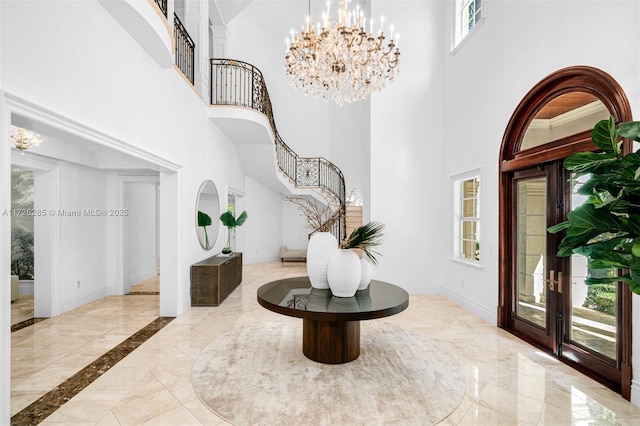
185	49
162	4
241	84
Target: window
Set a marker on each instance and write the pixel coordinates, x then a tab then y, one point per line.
467	222
468	14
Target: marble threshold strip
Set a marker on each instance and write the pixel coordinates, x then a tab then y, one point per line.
26	323
55	398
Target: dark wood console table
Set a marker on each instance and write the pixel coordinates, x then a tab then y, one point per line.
213	279
331	325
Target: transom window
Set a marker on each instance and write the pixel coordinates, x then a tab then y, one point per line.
468	14
467	209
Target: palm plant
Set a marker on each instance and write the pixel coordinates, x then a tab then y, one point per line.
365	238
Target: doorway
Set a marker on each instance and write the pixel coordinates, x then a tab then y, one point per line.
544	298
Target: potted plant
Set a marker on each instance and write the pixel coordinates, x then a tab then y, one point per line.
346	273
606	227
231	222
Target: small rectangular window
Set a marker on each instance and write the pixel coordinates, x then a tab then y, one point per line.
468	14
467	221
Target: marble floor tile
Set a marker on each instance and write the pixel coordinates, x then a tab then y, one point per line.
508	381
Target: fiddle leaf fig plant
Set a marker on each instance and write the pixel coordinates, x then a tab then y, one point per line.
605	228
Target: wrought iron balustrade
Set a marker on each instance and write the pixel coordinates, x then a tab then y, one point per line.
162	4
185	49
238	83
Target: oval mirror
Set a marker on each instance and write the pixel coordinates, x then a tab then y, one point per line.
207	212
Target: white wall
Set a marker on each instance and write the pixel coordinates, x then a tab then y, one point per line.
140	256
83	248
295	234
485	80
517	45
406	151
261	234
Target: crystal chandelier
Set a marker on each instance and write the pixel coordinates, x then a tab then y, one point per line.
24	139
340	60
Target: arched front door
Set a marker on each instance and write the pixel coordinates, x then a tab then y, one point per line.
543	298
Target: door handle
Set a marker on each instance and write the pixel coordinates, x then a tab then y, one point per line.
551	281
559	282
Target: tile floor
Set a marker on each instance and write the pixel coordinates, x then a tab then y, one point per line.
22	309
508	381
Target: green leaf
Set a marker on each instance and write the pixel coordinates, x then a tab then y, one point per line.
587	222
228	220
630	130
633	226
605	136
606	264
558	227
600	249
203	219
241	219
364	238
589	162
607	280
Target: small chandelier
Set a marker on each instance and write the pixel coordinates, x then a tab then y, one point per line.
340	60
24	139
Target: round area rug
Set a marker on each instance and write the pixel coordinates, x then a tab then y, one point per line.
257	375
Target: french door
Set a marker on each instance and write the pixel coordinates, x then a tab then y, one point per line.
551	305
543	298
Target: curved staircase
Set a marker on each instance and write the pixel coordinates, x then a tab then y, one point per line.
239	84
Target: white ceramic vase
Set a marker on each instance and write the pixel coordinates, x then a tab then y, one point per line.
343	273
365	274
321	246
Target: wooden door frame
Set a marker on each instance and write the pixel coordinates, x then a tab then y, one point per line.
571	79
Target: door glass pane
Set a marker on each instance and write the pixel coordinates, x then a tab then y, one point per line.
531	250
593	308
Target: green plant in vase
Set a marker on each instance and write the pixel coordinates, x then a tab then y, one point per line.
204	220
365	238
231	222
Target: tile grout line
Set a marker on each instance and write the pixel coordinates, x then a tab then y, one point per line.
47	404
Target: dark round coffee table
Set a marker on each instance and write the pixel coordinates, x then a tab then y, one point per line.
330	324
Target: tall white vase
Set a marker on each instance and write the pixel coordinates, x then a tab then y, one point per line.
343	273
366	274
321	246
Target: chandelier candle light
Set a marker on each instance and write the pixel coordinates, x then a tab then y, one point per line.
24	139
340	60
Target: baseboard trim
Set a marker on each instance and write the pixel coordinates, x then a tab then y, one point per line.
252	260
484	313
422	289
635	392
75	302
25	287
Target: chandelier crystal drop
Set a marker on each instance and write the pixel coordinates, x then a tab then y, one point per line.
24	139
340	60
